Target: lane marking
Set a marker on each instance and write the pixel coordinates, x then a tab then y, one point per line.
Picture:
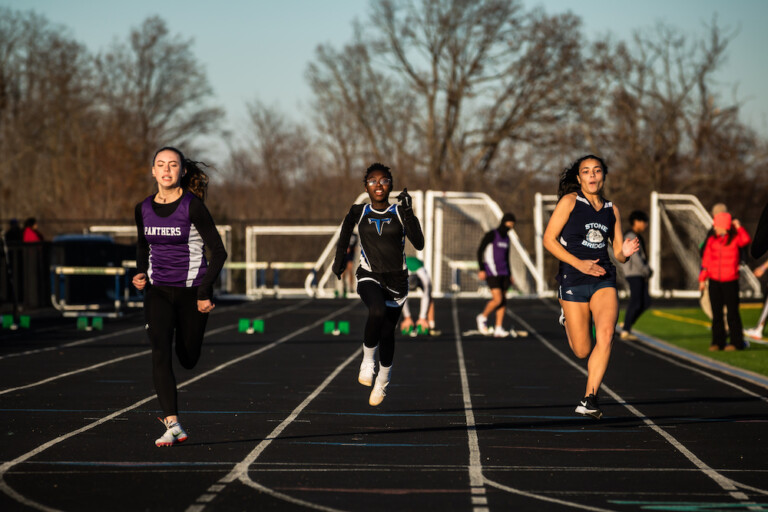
84	341
477	479
6	466
475	462
240	471
75	372
76	343
122	358
724	482
657	345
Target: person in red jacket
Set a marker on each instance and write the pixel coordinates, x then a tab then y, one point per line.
720	265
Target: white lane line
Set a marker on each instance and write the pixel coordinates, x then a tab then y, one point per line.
75	372
655	346
5	467
85	341
475	462
527	494
73	343
130	356
240	471
476	477
724	482
655	352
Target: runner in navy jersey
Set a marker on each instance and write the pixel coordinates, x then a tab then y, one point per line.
382	276
174	227
582	228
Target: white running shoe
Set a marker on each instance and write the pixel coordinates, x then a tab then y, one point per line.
562	317
500	332
367	369
755	332
378	393
482	325
174	434
379	390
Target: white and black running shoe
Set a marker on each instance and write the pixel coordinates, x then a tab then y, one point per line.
589	407
174	434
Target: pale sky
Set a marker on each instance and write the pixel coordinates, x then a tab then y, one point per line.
259	49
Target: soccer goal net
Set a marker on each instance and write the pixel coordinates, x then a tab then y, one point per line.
453	224
678	225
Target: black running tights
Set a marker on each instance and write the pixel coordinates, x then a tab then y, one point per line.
170	310
382	321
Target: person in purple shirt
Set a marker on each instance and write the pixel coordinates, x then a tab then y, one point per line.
493	262
174	227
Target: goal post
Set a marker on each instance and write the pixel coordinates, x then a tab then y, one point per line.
455	224
678	224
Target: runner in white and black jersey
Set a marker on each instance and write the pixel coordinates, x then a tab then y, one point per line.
582	228
382	276
173	228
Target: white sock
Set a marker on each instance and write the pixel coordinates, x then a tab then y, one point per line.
384	373
369	354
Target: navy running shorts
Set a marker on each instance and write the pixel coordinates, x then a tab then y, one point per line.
582	292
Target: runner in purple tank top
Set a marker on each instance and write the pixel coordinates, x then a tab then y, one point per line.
493	263
581	231
174	227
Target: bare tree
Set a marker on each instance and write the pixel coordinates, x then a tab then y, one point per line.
155	90
662	120
472	77
45	115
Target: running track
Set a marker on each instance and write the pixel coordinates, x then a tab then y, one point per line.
277	421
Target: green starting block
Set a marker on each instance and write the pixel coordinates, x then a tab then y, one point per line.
414	330
332	328
96	322
8	322
249	326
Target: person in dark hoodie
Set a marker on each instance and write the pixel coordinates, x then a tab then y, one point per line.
493	262
637	272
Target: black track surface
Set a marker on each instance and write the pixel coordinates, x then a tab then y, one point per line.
277	421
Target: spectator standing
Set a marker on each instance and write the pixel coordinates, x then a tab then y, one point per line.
30	233
720	266
637	272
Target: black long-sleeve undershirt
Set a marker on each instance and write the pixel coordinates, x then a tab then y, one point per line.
201	218
412	228
487	239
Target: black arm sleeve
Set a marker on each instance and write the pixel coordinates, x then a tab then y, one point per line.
142	246
201	218
487	239
347	227
412	228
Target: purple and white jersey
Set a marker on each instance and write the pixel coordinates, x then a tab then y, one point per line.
176	249
496	255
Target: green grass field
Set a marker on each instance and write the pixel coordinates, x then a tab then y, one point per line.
688	328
